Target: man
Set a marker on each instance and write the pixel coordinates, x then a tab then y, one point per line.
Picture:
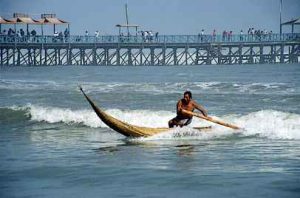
186	103
97	34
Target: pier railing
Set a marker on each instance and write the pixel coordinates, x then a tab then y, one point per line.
151	39
156	50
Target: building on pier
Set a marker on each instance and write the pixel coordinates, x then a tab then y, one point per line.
291	23
25	19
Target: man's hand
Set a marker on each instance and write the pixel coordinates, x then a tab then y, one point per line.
180	110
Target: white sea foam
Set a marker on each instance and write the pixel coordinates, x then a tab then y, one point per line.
271	124
188	133
145	118
28	84
266	123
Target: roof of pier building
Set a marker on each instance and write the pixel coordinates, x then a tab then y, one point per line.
126	25
292	22
4	21
50	19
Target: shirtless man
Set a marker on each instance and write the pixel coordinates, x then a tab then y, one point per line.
183	119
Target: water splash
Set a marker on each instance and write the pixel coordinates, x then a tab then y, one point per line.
265	123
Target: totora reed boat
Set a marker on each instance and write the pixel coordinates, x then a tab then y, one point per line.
125	128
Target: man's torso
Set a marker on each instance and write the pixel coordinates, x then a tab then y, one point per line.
186	106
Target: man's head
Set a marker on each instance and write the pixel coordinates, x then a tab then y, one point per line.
187	96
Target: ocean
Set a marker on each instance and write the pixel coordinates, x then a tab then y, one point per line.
52	144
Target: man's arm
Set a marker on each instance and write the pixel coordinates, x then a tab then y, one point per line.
179	105
200	108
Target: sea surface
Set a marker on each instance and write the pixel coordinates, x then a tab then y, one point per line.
53	145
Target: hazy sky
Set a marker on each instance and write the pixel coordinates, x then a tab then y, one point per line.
164	16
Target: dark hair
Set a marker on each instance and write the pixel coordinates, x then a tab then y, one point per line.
188	93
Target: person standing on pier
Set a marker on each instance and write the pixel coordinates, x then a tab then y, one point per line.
186	103
202	35
224	35
97	35
214	34
156	36
241	35
66	33
86	36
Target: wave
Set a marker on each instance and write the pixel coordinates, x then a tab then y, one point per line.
269	124
28	84
154	88
88	117
265	123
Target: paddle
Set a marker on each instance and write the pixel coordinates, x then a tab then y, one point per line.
210	119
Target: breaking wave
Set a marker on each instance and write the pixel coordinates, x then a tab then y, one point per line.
265	123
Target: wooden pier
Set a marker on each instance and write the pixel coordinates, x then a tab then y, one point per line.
164	50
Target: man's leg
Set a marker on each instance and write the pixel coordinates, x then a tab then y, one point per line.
173	122
188	121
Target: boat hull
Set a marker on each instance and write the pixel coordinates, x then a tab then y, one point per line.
124	128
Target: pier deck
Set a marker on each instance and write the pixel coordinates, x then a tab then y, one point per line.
153	51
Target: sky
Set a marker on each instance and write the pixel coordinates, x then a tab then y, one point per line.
163	16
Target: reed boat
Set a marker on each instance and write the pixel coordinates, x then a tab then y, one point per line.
127	129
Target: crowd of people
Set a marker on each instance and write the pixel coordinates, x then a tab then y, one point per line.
19	33
60	36
251	35
32	35
147	36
